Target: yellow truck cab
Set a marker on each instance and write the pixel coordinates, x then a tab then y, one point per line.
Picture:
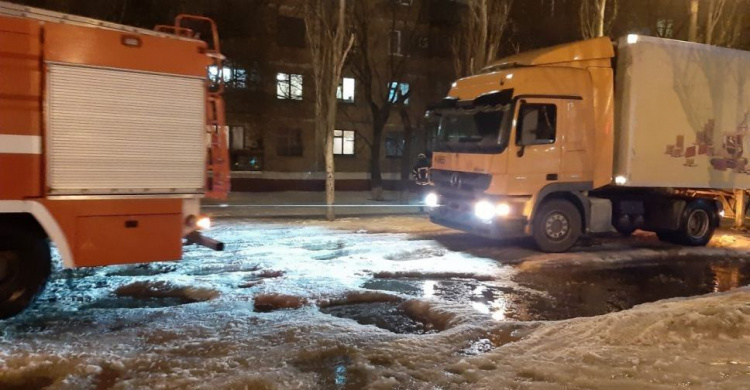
551	144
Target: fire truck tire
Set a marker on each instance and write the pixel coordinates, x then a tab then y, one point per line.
25	266
557	226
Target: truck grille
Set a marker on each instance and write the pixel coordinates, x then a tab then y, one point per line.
466	181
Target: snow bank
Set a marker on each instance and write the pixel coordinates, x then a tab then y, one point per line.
683	342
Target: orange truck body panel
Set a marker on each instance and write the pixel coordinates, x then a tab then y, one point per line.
95	230
103	232
99	47
20	104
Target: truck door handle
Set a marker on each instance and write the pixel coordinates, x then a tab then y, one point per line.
552	177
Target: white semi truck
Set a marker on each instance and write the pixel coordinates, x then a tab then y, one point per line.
647	133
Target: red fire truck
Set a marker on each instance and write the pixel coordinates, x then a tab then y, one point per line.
109	137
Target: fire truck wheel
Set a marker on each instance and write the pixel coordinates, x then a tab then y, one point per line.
697	224
557	226
25	266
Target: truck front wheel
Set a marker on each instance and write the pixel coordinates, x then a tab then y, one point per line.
557	226
25	266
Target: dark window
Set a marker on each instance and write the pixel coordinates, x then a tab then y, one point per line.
246	152
395	43
394	144
537	124
236	138
289	143
290	31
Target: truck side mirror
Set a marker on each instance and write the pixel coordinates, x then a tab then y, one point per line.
521	151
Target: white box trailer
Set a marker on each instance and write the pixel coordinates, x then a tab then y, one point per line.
682	115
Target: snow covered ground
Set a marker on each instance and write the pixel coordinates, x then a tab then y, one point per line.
386	303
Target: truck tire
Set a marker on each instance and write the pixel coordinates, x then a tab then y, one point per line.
697	224
625	230
672	237
557	226
25	266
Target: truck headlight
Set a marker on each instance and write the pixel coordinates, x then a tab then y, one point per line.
502	210
484	210
431	200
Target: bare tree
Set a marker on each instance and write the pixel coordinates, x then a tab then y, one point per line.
480	35
382	52
326	33
724	22
597	17
693	31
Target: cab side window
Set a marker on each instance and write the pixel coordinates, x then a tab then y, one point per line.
537	124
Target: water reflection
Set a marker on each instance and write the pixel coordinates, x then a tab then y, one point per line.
428	289
556	293
726	277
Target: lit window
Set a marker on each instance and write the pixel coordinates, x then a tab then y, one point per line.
288	86
396	91
665	28
232	77
343	142
395	43
345	91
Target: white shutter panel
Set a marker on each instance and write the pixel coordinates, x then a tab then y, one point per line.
116	131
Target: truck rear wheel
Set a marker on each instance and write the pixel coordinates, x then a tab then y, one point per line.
557	226
25	266
697	224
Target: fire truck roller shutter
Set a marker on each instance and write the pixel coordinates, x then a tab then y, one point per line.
115	131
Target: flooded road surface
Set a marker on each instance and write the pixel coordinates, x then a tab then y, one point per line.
387	302
562	292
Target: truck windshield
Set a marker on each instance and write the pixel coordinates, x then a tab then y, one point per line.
479	130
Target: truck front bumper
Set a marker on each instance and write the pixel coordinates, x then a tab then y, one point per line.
460	216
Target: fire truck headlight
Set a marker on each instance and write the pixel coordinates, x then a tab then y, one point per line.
502	210
484	210
203	223
431	200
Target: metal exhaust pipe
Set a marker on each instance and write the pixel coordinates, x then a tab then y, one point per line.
199	239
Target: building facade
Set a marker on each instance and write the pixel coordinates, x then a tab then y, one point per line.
271	97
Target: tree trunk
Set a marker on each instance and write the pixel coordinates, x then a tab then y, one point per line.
406	162
693	31
711	23
380	117
600	19
330	177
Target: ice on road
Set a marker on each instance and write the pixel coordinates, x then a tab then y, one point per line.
389	302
